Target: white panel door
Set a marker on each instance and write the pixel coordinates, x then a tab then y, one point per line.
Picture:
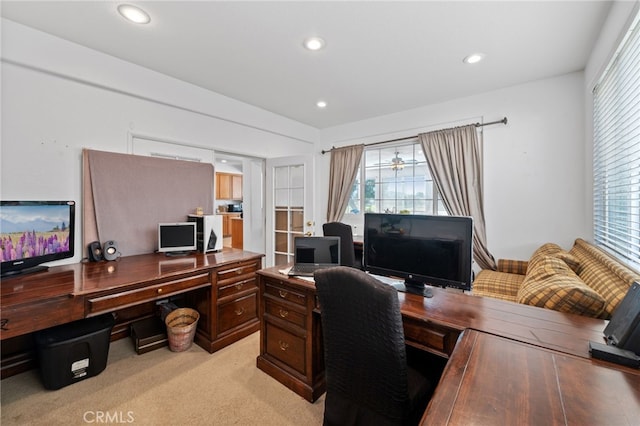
289	206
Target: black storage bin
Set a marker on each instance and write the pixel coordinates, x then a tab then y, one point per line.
75	351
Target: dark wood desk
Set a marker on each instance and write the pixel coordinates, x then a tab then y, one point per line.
221	286
492	380
518	341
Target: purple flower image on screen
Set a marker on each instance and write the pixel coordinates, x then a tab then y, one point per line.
30	244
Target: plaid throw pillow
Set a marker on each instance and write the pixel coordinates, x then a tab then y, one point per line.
554	250
553	285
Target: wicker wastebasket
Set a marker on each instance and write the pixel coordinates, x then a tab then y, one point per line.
181	328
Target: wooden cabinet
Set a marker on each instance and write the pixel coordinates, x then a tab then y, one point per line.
236	187
291	347
227	229
237	232
228	186
235	297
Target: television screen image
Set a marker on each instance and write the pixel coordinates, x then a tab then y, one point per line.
35	232
421	249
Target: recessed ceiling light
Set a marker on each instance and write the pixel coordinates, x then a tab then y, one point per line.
321	104
314	43
474	58
134	14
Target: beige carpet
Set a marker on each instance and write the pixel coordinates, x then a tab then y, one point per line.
163	388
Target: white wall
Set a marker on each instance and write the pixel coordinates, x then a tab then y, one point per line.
534	185
59	97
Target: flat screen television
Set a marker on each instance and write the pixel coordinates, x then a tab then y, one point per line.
423	250
177	238
33	233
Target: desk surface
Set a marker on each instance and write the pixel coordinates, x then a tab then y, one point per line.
494	380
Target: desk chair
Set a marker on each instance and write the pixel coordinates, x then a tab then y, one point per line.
347	252
369	381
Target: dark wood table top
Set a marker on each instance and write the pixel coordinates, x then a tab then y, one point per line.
492	380
92	277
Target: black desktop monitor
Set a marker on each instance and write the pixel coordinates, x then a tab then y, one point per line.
422	250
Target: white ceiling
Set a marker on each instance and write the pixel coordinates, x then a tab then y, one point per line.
380	58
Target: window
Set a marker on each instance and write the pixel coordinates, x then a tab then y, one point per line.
616	156
396	180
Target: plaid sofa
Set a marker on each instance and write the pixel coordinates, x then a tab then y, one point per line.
584	280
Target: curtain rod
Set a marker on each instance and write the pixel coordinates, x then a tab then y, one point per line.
503	121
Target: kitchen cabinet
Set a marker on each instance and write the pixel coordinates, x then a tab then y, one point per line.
236	232
228	186
227	230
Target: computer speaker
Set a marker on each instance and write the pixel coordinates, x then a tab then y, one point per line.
110	250
95	251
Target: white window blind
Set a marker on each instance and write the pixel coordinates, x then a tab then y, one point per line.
616	156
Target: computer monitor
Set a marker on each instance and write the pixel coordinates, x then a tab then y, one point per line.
177	238
421	249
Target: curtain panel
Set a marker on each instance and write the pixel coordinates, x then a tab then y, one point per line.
125	197
342	175
455	162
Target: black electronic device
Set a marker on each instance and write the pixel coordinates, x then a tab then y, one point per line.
614	354
110	250
622	333
35	232
623	329
95	251
421	249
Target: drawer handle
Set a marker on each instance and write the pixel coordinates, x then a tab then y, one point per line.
159	290
283	345
239	311
283	313
239	286
282	293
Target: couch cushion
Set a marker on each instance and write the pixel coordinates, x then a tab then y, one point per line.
553	285
554	250
499	285
604	274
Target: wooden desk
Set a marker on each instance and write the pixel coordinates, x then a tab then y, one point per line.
492	380
291	348
221	286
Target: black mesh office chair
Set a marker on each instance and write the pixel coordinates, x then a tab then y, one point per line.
369	381
347	252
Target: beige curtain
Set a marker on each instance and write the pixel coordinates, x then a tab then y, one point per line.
342	174
455	162
125	197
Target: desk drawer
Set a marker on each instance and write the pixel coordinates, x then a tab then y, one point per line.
285	347
437	339
237	287
236	271
239	311
274	289
23	319
125	299
279	310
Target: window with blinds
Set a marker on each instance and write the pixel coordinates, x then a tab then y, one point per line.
616	156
